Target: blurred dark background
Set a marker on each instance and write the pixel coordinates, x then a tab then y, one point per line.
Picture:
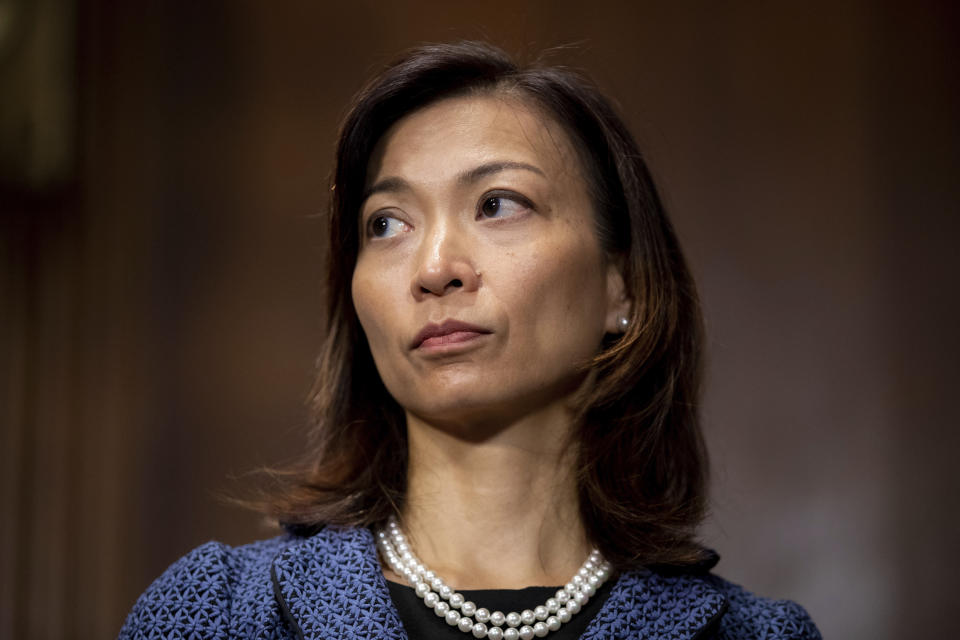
161	168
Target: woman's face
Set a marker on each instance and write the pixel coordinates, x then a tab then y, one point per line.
480	282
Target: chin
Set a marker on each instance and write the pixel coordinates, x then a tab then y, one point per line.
464	408
473	408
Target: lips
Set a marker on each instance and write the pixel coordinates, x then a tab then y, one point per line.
448	332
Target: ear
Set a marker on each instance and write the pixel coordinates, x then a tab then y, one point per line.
618	302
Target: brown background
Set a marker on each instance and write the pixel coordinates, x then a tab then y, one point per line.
161	265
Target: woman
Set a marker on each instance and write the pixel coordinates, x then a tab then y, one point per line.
507	441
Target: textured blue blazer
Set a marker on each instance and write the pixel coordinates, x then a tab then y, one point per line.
330	586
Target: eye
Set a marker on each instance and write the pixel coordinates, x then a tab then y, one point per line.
502	206
384	226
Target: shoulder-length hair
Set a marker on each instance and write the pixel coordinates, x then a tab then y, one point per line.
641	461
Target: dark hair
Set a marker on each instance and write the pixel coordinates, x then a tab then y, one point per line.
641	460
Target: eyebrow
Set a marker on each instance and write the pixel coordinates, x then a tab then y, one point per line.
396	184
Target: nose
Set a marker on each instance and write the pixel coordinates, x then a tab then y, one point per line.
445	264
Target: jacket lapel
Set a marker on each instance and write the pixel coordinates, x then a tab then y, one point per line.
330	586
644	604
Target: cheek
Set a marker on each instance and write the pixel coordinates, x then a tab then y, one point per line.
358	295
564	294
375	309
368	298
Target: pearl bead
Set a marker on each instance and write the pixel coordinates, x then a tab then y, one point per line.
482	615
526	633
456	600
593	581
562	596
511	634
583	572
445	592
573	606
541	613
431	599
528	617
540	630
422	589
429	576
495	633
468	608
452	617
563	615
589	590
465	624
497	619
479	630
441	609
581	598
513	619
570	588
437	584
553	623
577	580
552	605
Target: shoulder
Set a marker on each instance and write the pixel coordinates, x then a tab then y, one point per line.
752	616
215	591
693	603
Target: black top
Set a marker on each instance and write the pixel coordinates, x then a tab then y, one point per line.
422	623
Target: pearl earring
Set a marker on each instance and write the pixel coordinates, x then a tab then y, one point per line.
624	323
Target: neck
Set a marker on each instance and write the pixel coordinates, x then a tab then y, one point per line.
497	512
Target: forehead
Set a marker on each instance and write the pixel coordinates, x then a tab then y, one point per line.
448	136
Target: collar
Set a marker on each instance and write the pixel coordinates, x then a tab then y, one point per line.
331	586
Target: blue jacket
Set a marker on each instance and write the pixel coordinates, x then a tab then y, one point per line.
330	586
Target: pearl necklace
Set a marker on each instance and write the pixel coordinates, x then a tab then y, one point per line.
461	613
